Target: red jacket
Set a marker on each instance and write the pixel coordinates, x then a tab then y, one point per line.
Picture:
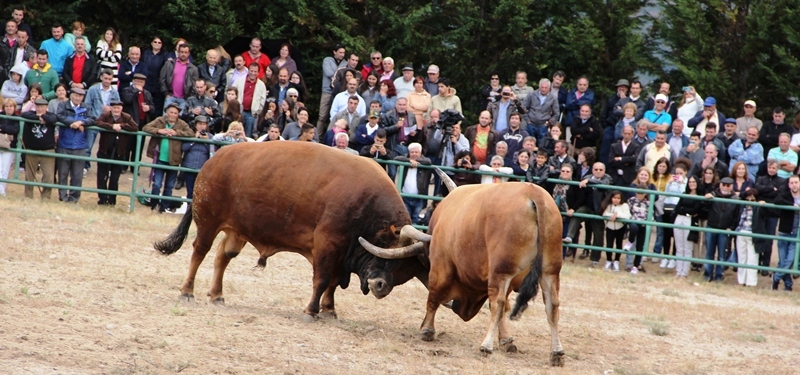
263	62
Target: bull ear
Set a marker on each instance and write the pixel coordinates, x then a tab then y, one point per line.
394	229
446	179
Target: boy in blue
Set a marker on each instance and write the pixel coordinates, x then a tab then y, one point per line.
72	141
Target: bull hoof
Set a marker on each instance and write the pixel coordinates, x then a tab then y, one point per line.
187	297
328	315
557	359
309	318
428	334
486	350
219	301
508	345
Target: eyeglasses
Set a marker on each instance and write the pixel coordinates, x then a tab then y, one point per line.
376	58
156	42
495	79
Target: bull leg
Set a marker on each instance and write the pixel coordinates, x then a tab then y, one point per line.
229	248
437	294
201	247
328	308
506	340
550	287
320	285
498	289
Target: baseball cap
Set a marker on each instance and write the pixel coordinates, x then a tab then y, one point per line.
375	114
433	69
710	101
750	102
662	97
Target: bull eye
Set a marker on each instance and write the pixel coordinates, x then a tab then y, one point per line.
394	229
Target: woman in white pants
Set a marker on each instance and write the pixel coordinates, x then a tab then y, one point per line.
745	249
685	212
8	130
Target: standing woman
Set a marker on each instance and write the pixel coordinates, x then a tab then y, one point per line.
284	59
155	57
388	96
8	132
639	205
661	177
61	96
708	184
686	213
109	53
614	207
677	185
741	180
419	100
521	165
691	103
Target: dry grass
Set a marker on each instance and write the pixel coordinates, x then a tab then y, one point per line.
82	292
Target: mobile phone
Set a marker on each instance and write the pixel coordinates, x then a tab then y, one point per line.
686	89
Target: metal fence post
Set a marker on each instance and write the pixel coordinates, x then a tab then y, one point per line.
137	155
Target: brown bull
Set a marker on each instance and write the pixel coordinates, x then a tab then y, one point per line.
305	198
487	240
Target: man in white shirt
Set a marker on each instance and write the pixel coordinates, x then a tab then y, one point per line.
405	84
415	180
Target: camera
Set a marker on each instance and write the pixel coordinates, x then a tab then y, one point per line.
506	93
237	133
447	119
686	89
203	132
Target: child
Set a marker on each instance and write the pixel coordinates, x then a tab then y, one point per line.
638	205
547	145
614	208
538	169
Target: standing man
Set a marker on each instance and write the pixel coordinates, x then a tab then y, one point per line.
592	206
58	48
388	70
521	88
138	102
787	159
542	110
278	91
748	120
559	158
80	69
559	91
709	114
154	58
513	135
40	136
169	152
482	138
405	83
622	158
340	101
178	77
789	222
375	63
635	98
657	119
728	137
502	109
99	99
415	180
771	131
254	55
749	152
670	107
236	73
609	118
676	139
18	14
44	74
721	215
211	72
579	96
329	66
432	82
7	44
252	96
72	141
112	146
201	104
22	50
130	66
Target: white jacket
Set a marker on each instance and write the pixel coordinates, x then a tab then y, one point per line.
259	95
622	211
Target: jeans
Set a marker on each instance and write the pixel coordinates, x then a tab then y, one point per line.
70	171
414	207
605	146
189	179
565	228
715	250
180	101
786	252
400	150
91	135
249	120
158	179
108	178
636	233
538	131
659	236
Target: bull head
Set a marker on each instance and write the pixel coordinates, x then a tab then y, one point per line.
407	249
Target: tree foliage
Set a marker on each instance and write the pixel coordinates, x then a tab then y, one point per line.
731	49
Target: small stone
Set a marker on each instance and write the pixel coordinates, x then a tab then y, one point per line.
110	326
60	319
52	256
369	329
326	355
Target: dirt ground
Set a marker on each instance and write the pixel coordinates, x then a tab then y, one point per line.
83	292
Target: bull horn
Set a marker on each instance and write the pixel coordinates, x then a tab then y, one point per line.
446	179
409	232
397	253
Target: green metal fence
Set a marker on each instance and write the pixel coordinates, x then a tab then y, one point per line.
134	195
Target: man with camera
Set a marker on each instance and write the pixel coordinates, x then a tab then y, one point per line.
112	146
378	149
502	109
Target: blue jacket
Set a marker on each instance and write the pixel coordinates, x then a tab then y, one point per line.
94	100
68	138
126	72
574	104
195	154
57	52
154	64
751	157
363	138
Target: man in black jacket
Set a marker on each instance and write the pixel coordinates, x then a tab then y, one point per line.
131	66
622	159
608	119
771	131
594	198
137	102
212	72
40	136
768	187
721	215
88	72
790	219
415	180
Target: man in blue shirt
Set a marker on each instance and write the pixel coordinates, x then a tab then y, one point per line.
657	119
58	48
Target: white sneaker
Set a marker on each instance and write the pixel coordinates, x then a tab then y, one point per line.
628	246
663	263
655	260
644	259
567	240
608	265
85	172
616	266
671	264
634	270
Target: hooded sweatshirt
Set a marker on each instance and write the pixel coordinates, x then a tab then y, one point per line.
13	90
445	101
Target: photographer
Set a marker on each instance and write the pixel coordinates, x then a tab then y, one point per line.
195	154
464	160
235	134
378	149
449	125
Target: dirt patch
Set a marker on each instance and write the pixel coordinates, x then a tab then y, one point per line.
83	292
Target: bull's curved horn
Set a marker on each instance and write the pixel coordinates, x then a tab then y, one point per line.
398	253
446	179
409	232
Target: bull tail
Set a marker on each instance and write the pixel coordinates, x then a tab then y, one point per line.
173	242
530	284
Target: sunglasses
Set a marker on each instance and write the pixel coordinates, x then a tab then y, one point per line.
376	58
495	79
660	101
292	96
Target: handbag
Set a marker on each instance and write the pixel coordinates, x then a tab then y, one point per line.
5	140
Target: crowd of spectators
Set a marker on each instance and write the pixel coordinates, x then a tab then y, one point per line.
378	110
